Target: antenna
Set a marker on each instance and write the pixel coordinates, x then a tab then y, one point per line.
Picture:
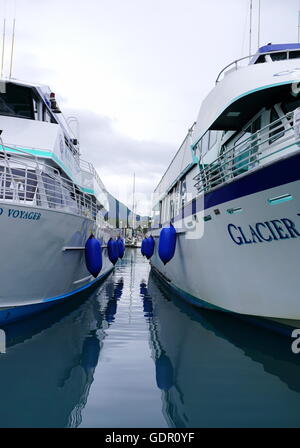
3	47
299	23
12	48
133	202
258	25
250	28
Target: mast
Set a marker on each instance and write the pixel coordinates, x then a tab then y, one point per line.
133	202
250	27
12	48
299	23
258	26
3	47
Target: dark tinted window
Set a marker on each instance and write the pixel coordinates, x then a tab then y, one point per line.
294	54
289	106
279	130
16	101
260	59
279	56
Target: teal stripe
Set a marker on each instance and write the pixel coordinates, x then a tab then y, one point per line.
50	155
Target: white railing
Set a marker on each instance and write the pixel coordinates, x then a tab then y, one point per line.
238	63
87	166
26	180
259	148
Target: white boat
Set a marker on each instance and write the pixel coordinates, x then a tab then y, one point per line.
51	201
232	192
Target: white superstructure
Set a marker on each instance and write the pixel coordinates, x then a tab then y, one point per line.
233	190
50	202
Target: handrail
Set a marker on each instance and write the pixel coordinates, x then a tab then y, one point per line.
82	164
34	185
235	62
246	155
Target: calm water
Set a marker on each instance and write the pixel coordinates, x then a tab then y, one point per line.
131	355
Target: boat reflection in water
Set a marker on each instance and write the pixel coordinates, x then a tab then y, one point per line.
215	370
47	371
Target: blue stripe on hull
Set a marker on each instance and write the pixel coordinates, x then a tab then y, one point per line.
278	173
283	329
9	315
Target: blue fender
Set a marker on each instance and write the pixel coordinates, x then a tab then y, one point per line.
167	244
121	247
143	246
149	247
93	256
113	251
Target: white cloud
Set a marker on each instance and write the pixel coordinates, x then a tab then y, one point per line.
136	71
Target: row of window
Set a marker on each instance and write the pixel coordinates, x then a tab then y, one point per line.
208	140
21	102
280	56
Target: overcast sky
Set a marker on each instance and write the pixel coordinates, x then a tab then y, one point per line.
136	71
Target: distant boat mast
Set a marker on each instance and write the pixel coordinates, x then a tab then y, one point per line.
299	23
258	26
250	27
133	202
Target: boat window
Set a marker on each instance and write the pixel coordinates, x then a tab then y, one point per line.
246	148
53	191
205	143
212	138
47	116
279	56
289	106
171	208
255	125
183	192
17	182
260	59
35	108
294	55
278	130
16	101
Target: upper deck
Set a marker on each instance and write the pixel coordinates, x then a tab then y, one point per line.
31	122
246	85
247	89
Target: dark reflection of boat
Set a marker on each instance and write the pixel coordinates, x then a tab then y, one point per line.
215	370
112	304
48	368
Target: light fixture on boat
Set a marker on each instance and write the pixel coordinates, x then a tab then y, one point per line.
53	104
233	114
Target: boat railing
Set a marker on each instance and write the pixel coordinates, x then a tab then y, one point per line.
238	63
259	148
26	180
89	167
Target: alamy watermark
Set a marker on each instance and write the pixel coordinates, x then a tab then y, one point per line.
296	343
2	341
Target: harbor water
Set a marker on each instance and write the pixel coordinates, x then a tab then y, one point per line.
131	354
